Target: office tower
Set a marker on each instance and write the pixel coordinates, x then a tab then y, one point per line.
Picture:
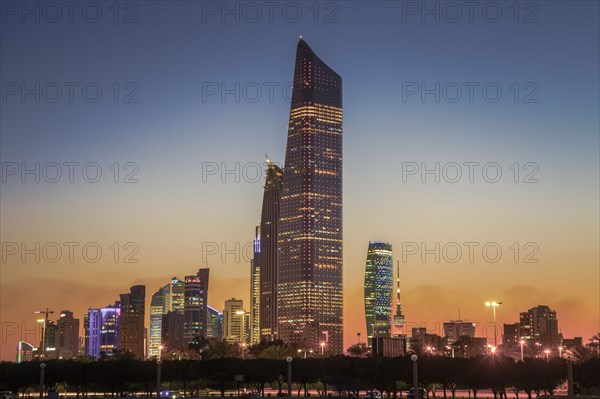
68	335
454	329
131	321
540	325
309	297
177	295
269	255
49	341
269	252
172	326
255	267
215	323
92	325
379	280
195	305
159	305
512	335
110	331
234	321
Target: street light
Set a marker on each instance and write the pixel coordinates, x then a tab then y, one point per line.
42	367
289	374
522	342
452	348
547	352
414	359
158	363
494	305
322	348
560	349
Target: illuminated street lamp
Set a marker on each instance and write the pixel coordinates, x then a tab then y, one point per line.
547	352
494	305
322	348
452	348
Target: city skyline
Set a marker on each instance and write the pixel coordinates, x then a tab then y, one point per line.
178	218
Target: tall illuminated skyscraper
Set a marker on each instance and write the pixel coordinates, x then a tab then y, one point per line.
309	300
255	268
159	305
234	319
269	257
379	286
177	295
195	305
131	322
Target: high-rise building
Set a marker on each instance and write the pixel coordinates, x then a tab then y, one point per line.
195	305
269	255
454	329
379	286
67	344
215	323
254	325
172	326
177	295
540	325
92	325
234	318
159	305
131	321
512	335
309	297
110	329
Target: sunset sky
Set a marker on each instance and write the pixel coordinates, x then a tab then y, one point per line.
178	51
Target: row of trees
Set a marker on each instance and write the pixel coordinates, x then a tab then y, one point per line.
336	375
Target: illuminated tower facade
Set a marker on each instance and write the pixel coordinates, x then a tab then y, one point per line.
379	286
269	256
159	305
196	305
131	321
309	310
255	268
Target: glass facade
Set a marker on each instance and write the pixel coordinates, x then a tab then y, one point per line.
310	226
159	305
195	305
379	286
131	322
255	269
269	257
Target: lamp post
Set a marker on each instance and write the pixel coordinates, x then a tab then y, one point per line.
547	352
289	374
322	348
560	349
494	305
452	349
158	363
415	377
522	342
42	367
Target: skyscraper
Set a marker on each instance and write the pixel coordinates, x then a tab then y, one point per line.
540	325
68	335
92	325
195	305
159	305
269	256
309	296
455	329
215	323
379	286
234	321
255	290
171	335
177	295
131	323
109	330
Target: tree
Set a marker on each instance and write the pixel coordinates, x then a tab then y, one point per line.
358	350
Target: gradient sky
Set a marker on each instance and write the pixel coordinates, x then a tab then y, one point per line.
176	50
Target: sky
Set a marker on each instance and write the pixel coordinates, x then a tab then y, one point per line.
133	142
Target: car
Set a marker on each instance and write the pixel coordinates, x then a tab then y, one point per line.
373	395
170	395
411	394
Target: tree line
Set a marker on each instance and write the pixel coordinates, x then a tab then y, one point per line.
341	375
